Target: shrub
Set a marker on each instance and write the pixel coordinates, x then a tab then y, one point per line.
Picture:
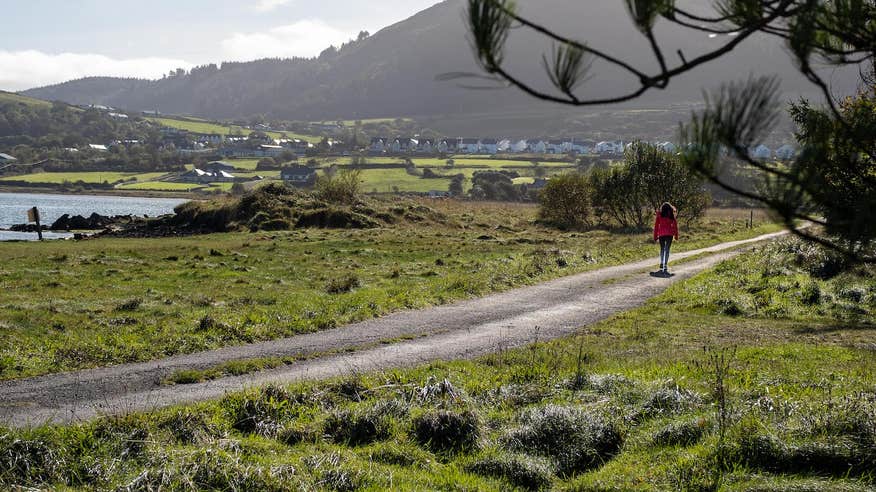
523	472
356	428
342	188
667	400
681	433
565	201
130	305
628	195
576	440
811	294
445	430
342	285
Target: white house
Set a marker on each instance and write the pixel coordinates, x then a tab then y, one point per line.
580	146
426	146
555	146
761	152
516	146
446	146
490	146
378	145
7	159
97	147
271	150
786	152
198	176
403	144
610	147
536	146
469	146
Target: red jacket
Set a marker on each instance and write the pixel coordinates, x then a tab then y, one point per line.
665	227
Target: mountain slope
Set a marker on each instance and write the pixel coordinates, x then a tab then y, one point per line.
393	73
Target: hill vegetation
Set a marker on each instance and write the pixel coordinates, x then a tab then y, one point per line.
393	72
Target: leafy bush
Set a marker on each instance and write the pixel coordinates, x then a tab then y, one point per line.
342	188
628	195
811	294
445	430
565	201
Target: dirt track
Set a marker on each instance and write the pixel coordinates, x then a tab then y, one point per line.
461	330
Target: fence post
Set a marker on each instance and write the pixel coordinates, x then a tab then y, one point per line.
33	215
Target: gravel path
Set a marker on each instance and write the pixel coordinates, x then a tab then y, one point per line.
465	329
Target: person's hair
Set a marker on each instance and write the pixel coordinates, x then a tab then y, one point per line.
667	211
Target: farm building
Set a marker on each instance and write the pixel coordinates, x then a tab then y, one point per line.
199	176
298	175
219	166
7	159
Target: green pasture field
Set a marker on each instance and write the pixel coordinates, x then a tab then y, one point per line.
388	180
68	305
86	177
208	127
734	380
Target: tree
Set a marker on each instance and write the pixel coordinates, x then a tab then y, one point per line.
456	185
829	186
658	176
565	201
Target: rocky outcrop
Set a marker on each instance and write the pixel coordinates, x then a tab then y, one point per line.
92	222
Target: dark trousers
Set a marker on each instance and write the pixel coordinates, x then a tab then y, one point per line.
665	245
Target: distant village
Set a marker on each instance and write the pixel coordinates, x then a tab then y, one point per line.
258	144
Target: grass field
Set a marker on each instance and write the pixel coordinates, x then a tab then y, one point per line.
197	126
9	97
389	180
771	391
86	177
67	305
162	186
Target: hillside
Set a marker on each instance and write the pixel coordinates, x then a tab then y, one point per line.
393	73
12	98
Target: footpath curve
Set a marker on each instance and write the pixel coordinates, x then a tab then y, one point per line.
461	330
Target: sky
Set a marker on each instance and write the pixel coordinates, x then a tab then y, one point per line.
50	41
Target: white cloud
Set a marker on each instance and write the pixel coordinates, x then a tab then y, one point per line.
27	69
268	5
303	38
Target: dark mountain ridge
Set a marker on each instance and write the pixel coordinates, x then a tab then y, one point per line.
393	73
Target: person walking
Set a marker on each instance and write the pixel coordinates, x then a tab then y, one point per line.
665	228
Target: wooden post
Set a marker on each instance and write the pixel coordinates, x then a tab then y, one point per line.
751	220
33	215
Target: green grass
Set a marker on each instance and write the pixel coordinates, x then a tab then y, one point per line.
59	299
9	97
198	126
630	403
86	177
162	186
388	180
